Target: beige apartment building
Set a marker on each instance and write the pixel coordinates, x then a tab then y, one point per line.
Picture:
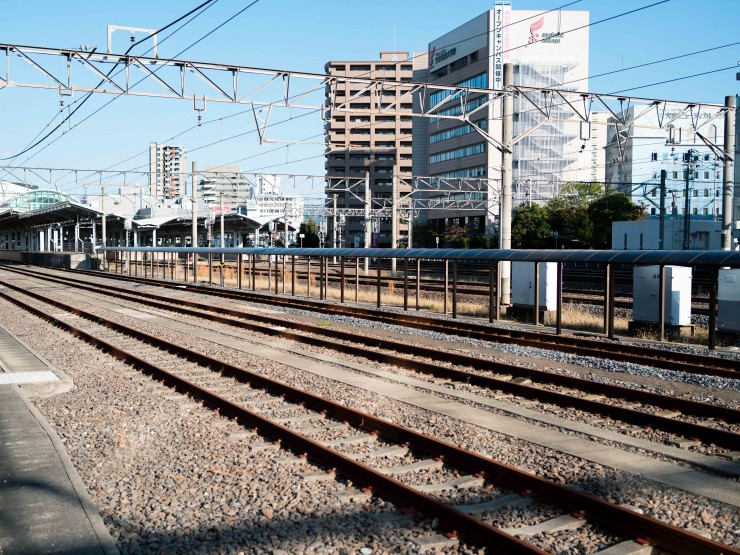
363	143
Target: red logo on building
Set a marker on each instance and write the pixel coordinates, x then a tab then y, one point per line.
534	36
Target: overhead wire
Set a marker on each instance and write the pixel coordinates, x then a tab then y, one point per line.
88	95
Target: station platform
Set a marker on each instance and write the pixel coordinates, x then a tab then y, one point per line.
44	506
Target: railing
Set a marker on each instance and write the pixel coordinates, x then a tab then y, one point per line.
335	272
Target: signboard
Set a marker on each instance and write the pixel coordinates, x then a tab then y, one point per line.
500	42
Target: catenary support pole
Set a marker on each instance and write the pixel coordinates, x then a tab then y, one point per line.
661	237
506	180
194	223
727	185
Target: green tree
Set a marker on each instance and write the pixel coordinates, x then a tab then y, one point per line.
530	228
454	236
311	232
569	217
615	207
424	234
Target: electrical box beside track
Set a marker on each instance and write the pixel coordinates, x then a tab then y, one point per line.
728	297
522	284
677	297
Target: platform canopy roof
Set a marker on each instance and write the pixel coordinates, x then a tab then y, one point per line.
646	257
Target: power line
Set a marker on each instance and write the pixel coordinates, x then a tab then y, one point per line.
87	97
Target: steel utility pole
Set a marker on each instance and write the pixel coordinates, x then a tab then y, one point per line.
727	185
661	237
506	180
394	217
368	221
194	200
221	209
687	201
286	225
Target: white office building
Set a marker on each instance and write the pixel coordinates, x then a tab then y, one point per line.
473	55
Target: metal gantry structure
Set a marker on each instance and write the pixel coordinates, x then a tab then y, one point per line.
264	89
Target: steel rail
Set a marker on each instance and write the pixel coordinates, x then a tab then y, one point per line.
678	361
706	434
615	517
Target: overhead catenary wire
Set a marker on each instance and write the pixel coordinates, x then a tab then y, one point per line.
216	142
103	80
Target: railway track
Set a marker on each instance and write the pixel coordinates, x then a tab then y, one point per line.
584	346
707	423
410	469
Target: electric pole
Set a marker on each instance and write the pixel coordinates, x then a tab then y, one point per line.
727	185
661	237
687	201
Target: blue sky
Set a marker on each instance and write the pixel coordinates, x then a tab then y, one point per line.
303	36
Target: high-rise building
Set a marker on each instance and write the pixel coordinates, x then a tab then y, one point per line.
363	143
167	171
473	55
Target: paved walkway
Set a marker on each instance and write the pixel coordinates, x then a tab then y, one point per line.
44	507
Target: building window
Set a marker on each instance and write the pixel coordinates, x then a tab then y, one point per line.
478	148
455	132
675	175
705	211
357	67
477	81
652	211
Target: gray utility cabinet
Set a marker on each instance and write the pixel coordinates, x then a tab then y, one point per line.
728	296
522	284
677	298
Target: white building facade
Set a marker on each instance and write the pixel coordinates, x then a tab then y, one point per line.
168	171
552	151
636	155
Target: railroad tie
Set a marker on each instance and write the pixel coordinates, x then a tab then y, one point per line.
390	451
351	440
505	501
557	524
436	542
456	483
627	548
426	464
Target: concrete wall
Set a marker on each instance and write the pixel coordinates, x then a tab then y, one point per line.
75	261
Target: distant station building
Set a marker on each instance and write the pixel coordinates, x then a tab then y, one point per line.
473	55
167	170
361	143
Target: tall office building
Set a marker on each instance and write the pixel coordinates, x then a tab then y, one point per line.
167	171
361	142
473	55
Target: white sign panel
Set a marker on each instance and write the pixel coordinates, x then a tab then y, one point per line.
500	41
